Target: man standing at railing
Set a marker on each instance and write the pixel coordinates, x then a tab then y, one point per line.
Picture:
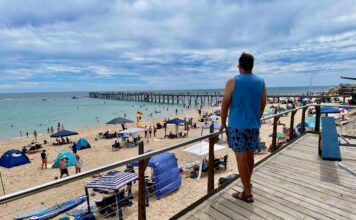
245	100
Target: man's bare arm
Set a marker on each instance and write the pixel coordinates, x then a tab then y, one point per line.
263	101
226	101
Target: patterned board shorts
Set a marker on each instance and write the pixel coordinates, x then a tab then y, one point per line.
243	139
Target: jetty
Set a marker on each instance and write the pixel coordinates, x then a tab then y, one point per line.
188	98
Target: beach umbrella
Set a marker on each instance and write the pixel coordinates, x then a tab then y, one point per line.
119	120
63	133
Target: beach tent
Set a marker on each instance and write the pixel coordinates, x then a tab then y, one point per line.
119	120
329	110
82	144
63	133
113	180
176	121
70	156
166	173
13	158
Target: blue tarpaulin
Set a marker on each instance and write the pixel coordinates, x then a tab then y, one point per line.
166	173
13	158
63	133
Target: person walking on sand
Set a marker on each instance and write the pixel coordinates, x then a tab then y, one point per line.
154	131
35	135
44	159
78	163
63	166
150	131
27	134
245	100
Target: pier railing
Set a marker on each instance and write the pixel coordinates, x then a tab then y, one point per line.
143	158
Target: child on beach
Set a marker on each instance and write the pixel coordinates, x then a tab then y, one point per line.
63	166
44	159
78	163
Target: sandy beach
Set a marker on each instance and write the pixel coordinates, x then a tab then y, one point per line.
25	176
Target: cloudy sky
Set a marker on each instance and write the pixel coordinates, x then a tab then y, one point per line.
81	45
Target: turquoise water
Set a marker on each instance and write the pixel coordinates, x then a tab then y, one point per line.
26	112
29	111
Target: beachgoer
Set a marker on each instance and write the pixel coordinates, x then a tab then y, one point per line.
74	148
67	140
176	111
44	159
146	131
154	131
52	130
245	100
48	130
35	134
63	166
20	133
150	131
78	163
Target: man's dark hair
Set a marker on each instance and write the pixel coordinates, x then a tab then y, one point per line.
246	61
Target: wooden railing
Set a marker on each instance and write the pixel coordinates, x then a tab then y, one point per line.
143	158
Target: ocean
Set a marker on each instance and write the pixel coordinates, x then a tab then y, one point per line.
26	112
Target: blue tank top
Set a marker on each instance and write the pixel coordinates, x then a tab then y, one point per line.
245	104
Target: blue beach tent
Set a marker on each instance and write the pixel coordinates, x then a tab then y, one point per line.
166	173
82	144
63	133
13	158
70	156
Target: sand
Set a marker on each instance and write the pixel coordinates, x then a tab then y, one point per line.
100	154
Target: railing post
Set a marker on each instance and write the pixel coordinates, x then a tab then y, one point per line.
211	161
291	125
317	118
141	185
303	119
274	134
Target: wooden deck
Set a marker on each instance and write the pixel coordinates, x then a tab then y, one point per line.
292	184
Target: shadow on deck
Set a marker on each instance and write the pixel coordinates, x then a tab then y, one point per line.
292	184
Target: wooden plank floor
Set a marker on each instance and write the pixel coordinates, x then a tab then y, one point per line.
293	184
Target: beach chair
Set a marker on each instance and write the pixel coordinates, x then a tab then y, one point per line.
221	162
329	147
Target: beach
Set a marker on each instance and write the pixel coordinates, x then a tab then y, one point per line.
29	175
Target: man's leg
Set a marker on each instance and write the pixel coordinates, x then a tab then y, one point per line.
250	161
244	171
